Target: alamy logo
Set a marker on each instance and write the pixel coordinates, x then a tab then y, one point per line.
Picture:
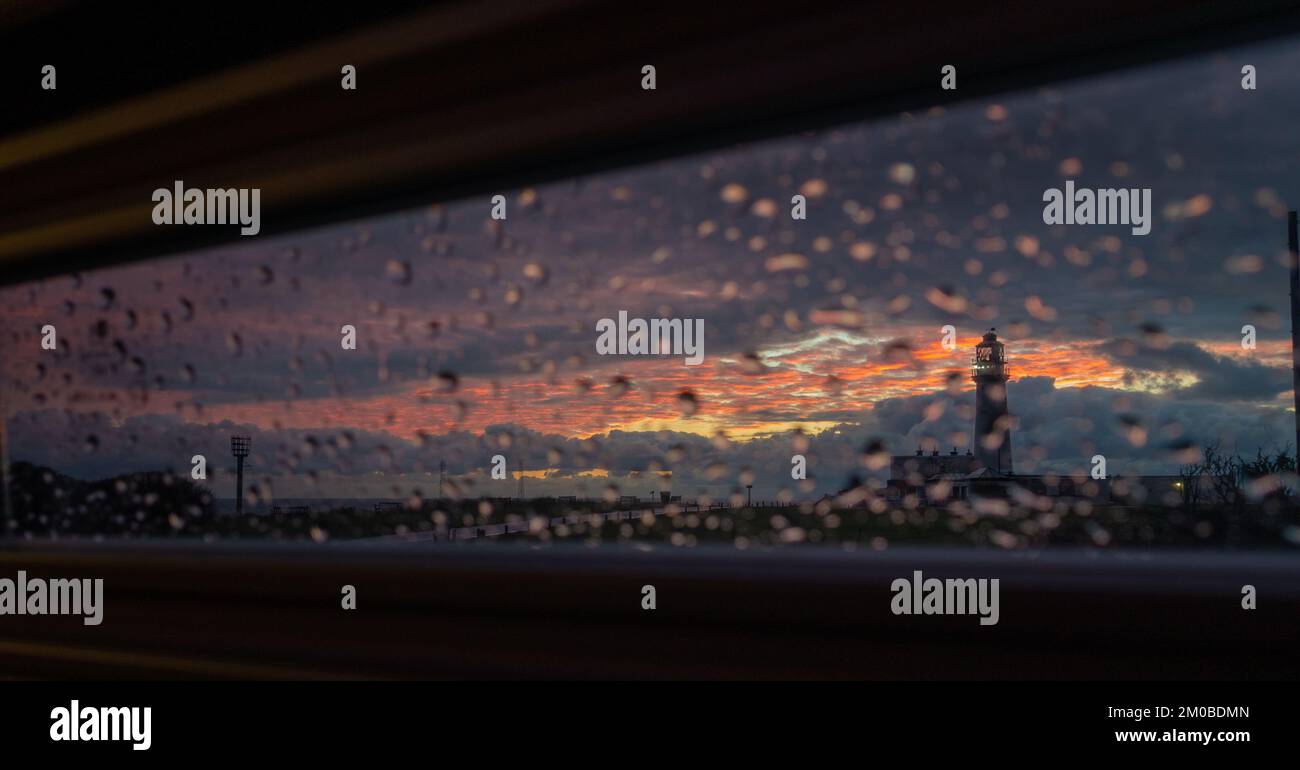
87	723
180	206
53	597
655	337
1098	207
932	596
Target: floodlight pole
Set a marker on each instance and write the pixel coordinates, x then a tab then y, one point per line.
239	448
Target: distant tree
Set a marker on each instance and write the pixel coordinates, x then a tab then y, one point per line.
1189	484
1271	472
1225	473
46	502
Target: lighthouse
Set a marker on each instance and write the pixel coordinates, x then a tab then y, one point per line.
990	372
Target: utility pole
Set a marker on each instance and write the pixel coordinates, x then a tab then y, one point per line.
5	499
1295	321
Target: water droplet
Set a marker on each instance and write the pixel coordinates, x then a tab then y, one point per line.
765	208
687	403
734	193
902	173
814	188
787	261
536	272
447	382
399	272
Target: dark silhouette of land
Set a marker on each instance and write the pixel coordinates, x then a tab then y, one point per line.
152	504
48	504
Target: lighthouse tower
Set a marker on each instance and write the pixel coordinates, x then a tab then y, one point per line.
990	372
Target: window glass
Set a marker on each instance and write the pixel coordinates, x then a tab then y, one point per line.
920	359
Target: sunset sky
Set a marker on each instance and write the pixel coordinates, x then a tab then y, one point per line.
477	338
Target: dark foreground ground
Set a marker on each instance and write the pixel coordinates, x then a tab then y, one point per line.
48	505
